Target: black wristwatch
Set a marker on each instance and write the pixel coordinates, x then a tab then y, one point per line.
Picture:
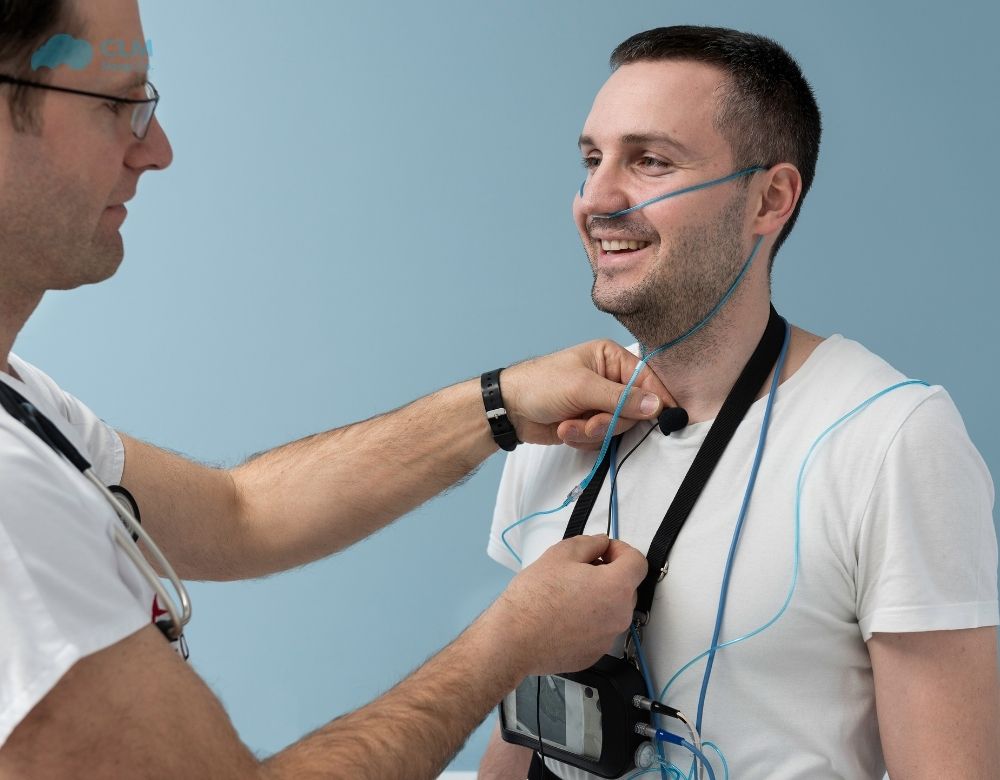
496	415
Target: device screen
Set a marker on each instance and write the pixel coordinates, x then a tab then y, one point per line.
570	714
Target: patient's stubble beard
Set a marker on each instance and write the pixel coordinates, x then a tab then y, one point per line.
683	284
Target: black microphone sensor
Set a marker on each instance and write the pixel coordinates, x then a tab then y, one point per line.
671	419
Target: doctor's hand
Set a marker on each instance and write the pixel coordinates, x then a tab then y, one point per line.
569	396
565	610
560	614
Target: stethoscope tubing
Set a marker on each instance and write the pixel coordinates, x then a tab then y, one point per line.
36	422
178	617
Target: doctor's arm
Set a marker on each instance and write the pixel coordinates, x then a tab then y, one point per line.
938	700
318	495
134	709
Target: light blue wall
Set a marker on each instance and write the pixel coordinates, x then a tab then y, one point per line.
370	200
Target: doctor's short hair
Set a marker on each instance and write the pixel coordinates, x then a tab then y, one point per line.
766	111
25	25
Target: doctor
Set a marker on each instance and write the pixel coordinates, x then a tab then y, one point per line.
89	686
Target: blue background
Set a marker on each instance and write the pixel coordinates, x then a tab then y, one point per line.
371	200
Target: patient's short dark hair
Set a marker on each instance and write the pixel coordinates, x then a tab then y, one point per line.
767	112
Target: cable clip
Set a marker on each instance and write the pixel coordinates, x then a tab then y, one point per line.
639	619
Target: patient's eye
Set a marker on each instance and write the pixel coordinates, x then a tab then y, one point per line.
654	163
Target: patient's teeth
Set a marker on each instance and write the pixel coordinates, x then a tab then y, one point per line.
625	244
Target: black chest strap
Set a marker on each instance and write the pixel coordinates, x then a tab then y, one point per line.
733	410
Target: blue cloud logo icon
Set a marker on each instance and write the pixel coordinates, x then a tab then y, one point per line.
63	49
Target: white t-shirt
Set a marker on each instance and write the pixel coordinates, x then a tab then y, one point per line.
896	535
66	587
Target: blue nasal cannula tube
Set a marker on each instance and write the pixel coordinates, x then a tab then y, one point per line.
578	489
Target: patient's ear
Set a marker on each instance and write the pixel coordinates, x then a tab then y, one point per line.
776	197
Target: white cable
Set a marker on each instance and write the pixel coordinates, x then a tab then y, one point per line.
695	740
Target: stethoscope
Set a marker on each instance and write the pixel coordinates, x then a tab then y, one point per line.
129	532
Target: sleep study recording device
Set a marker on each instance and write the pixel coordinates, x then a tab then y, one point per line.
586	719
598	719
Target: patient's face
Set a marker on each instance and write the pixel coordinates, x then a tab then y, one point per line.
651	131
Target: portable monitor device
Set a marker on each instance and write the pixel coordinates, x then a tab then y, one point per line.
586	719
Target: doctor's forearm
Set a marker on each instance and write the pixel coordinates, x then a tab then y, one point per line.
414	730
318	495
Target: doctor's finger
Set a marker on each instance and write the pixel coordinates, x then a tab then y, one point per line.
646	381
628	559
589	434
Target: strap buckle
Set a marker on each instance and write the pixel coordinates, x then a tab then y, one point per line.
501	428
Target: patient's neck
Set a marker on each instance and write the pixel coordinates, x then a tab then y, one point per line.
700	372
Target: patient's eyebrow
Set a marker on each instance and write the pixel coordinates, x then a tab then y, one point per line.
644	139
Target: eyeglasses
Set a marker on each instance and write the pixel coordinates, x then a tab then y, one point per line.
142	108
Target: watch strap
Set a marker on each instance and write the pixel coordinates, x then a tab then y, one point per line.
496	415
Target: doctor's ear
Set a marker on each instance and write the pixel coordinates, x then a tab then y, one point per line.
777	195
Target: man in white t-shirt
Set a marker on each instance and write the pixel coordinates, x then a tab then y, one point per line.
858	631
88	685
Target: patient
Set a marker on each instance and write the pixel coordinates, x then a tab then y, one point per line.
890	568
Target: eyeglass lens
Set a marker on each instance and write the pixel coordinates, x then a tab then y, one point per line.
142	113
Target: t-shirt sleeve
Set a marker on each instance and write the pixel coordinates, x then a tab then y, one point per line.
62	596
101	441
97	440
927	546
507	511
